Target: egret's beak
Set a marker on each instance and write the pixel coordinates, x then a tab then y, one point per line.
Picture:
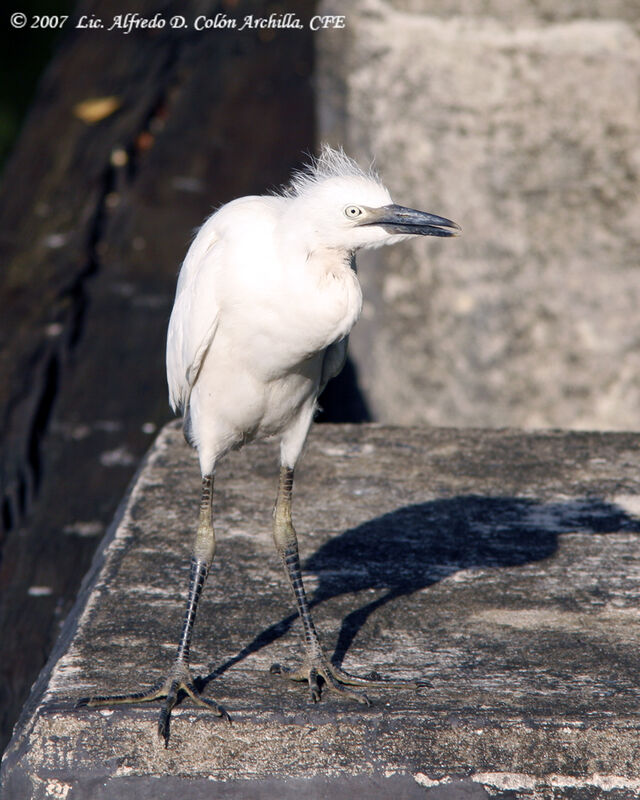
408	221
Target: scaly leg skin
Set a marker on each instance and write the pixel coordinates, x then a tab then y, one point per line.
316	664
179	680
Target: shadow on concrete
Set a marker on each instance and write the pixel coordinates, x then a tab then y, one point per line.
418	545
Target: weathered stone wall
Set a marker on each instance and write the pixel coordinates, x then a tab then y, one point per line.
520	121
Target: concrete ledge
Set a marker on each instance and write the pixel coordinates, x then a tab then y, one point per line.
502	566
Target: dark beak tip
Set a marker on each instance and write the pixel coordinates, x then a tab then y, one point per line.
449	227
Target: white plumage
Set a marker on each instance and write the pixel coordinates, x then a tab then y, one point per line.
266	298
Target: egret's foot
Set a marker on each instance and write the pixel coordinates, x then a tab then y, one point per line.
177	685
339	681
322	673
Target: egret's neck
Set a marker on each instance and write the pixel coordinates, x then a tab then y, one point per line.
331	262
302	238
337	298
322	289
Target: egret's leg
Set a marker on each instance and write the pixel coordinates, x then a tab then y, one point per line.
316	664
179	678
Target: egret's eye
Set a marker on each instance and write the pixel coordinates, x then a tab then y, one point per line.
352	212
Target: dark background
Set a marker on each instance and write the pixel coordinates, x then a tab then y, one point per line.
23	56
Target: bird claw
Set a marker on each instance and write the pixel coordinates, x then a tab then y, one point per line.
321	675
177	684
337	680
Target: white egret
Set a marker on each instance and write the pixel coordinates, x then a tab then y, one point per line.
266	298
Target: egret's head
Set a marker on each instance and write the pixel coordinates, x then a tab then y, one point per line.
337	204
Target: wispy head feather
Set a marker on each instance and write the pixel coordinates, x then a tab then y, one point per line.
330	163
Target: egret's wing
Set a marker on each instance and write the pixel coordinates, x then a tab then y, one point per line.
194	318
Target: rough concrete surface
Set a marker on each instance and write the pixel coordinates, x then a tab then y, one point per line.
501	566
519	121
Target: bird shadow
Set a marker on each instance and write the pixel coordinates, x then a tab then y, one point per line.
418	545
